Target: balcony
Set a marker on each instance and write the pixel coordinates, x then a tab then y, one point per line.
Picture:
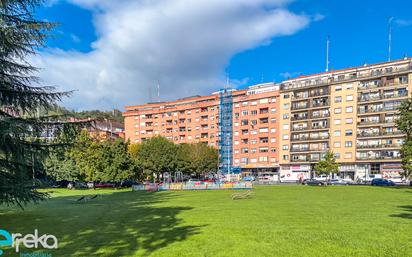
310	138
300	128
300	150
369	98
394	133
369	122
378	146
294	118
395	96
300	107
324	104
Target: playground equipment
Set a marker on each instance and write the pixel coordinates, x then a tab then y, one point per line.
167	178
178	178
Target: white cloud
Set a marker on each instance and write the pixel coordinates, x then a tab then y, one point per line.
184	44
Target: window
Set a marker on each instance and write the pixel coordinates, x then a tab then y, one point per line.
338	99
285	147
285	96
349	121
285	137
336	155
285	116
286	106
285	157
336	144
337	133
338	88
348	132
338	110
348	143
349	109
286	126
349	86
349	98
348	155
244	113
337	122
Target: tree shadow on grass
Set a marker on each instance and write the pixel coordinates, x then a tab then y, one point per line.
407	214
119	224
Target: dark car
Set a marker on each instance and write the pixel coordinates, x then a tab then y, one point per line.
382	182
104	185
313	182
127	183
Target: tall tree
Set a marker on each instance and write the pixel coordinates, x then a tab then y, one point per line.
404	123
22	132
156	156
327	165
102	161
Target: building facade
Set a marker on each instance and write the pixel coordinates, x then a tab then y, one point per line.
196	119
352	113
287	128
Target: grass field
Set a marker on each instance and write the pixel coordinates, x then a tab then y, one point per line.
276	221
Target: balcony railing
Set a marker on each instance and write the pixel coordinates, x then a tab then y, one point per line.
377	157
315	105
378	146
369	122
309	138
294	107
369	98
395	96
380	134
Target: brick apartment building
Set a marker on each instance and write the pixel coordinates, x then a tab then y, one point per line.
196	119
288	127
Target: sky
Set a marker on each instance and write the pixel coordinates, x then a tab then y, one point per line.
118	53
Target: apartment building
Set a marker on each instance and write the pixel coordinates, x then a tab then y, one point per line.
350	112
288	127
196	119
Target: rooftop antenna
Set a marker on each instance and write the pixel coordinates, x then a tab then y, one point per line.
227	82
158	90
327	53
390	38
150	94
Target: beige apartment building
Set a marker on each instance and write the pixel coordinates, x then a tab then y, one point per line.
350	112
196	119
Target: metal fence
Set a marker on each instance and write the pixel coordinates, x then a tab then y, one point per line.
192	186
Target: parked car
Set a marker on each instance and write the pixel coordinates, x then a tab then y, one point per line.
127	183
249	178
104	185
313	182
338	182
209	180
382	182
322	178
80	185
193	180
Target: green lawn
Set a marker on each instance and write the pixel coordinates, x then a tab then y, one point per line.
276	221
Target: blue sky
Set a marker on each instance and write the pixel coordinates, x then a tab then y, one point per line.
358	31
